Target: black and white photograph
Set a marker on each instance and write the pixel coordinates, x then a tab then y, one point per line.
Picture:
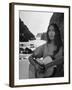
41	44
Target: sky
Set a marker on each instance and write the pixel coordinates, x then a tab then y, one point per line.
37	22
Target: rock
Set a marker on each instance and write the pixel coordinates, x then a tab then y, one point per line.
24	33
58	18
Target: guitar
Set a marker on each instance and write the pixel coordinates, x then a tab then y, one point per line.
46	71
49	64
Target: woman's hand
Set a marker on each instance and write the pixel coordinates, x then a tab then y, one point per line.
36	67
40	68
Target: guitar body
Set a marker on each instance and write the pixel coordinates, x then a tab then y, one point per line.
40	72
48	72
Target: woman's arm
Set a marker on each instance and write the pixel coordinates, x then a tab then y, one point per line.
59	60
36	54
35	63
32	60
59	57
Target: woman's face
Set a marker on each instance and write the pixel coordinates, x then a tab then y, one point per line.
51	33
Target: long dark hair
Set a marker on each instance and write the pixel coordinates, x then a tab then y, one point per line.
57	38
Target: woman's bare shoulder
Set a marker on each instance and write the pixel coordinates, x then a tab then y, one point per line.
38	52
44	45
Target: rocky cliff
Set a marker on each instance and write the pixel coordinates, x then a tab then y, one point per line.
24	33
58	18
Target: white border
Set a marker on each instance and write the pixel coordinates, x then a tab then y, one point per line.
16	44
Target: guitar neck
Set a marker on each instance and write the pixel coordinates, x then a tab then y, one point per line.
38	63
55	62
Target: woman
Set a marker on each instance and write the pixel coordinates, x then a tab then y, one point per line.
53	48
